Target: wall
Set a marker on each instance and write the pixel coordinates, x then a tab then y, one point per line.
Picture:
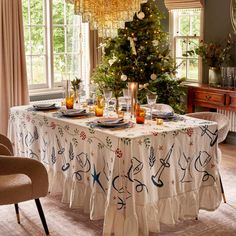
217	25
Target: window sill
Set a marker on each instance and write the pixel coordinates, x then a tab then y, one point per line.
45	94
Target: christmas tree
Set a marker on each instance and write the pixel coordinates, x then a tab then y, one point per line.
140	53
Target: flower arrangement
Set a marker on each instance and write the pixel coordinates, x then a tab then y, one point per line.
214	54
75	84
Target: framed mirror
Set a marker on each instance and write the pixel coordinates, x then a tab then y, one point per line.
233	14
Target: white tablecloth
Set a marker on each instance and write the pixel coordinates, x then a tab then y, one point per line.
134	178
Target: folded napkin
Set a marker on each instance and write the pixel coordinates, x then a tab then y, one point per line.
161	114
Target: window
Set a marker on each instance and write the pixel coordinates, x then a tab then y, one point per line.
186	30
56	43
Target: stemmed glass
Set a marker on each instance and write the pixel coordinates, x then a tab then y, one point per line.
151	99
107	94
127	94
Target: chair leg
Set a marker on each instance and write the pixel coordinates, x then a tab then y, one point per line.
42	217
222	189
17	213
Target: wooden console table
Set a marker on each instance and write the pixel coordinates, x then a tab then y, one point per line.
203	95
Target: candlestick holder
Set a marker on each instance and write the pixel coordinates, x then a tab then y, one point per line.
133	87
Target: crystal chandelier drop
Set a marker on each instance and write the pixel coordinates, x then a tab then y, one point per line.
107	16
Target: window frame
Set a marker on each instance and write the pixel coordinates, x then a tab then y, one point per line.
51	86
174	37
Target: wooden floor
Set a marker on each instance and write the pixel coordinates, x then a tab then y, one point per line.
228	156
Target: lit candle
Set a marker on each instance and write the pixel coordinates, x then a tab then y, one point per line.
159	121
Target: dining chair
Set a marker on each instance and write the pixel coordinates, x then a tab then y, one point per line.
7	143
21	179
223	129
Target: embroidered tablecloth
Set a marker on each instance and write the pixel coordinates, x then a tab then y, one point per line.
134	178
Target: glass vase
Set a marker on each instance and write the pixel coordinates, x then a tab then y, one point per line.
76	99
214	76
133	87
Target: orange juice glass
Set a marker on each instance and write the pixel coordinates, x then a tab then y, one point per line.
69	102
140	116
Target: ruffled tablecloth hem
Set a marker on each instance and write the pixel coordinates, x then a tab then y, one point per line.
144	218
170	211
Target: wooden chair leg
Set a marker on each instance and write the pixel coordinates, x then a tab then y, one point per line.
222	189
17	213
42	217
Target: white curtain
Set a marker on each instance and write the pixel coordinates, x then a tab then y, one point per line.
183	4
13	77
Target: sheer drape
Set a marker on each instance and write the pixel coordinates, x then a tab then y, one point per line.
13	78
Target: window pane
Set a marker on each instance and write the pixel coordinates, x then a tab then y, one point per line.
58	12
196	24
193	69
58	39
28	67
192	44
59	64
39	70
181	71
69	14
184	25
25	11
181	47
37	40
70	38
27	40
36	12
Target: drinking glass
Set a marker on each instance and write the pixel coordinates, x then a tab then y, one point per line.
107	94
151	99
127	97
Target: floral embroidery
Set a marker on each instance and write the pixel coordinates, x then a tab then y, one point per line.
53	125
119	153
83	135
189	132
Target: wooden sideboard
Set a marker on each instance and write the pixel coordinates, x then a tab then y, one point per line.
203	95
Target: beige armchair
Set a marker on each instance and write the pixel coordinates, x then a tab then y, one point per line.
223	129
21	179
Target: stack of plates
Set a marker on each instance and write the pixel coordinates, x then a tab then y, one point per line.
45	106
111	122
74	112
163	115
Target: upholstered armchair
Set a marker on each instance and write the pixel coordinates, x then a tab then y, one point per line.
221	120
21	179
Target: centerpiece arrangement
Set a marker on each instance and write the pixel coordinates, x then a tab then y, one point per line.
140	54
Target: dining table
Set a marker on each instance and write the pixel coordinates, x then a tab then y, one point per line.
136	177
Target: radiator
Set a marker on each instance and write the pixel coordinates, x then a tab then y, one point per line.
232	118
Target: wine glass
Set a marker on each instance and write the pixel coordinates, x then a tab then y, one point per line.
151	99
107	94
127	94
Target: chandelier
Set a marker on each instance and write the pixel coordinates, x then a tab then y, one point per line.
107	16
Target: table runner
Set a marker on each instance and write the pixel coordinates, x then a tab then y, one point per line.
134	178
